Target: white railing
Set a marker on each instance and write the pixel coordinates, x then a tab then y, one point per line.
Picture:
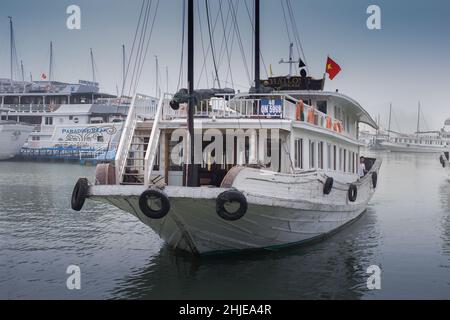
114	101
142	107
314	117
31	108
54	144
152	147
125	141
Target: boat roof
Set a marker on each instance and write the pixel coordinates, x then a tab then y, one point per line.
346	101
89	109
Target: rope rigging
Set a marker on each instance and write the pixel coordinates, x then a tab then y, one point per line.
211	40
238	35
229	72
207	52
183	40
202	41
296	33
132	48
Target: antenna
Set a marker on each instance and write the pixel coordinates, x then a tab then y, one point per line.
21	69
390	118
11	43
157	77
418	120
167	79
93	67
291	61
123	66
50	69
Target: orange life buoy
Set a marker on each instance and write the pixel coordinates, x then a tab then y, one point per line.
299	111
336	126
311	116
329	123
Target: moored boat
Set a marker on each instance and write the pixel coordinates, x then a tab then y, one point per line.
12	137
214	171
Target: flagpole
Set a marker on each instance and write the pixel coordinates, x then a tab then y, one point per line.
325	73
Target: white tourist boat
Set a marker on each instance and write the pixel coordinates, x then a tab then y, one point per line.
267	169
70	120
421	142
12	137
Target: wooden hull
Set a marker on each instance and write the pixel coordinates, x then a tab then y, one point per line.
274	218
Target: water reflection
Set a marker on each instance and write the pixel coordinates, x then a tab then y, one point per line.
331	269
445	222
406	231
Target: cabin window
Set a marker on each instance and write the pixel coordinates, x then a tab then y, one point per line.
353	162
320	154
336	112
345	160
100	139
299	153
329	155
176	153
48	121
334	158
312	155
322	106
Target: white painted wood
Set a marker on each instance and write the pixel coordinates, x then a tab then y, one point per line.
12	138
298	211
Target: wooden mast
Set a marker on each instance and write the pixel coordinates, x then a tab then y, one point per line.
11	45
257	46
192	168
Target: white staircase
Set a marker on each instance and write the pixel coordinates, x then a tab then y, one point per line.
138	147
134	169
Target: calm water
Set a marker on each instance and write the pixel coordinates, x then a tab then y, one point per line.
406	231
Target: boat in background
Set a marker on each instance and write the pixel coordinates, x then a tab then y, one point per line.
421	142
12	137
71	121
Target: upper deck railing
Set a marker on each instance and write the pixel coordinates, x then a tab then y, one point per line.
258	106
31	108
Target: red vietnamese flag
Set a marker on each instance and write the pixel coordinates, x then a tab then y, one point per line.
332	68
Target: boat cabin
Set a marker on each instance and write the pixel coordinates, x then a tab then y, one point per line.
285	131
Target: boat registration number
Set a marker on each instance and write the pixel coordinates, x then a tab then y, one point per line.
271	107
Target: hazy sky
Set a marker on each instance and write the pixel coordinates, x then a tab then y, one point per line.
403	63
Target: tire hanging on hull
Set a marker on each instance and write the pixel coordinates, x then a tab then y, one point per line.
231	196
352	193
79	194
148	210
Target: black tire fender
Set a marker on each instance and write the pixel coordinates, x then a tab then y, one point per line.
442	160
231	196
150	212
352	193
79	194
328	186
374	180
